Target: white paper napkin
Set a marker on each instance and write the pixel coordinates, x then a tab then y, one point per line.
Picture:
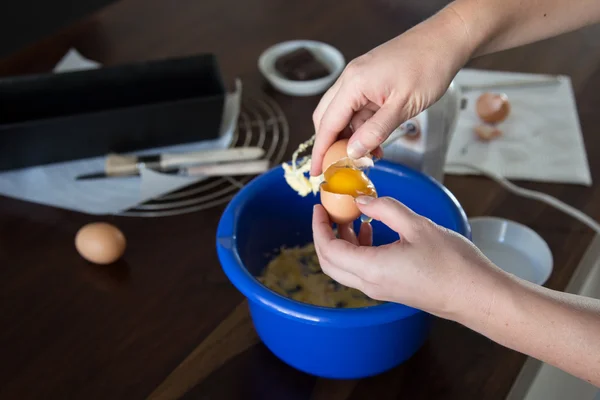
541	139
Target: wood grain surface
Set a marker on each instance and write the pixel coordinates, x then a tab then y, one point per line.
165	323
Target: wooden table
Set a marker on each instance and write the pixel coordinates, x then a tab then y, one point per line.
72	331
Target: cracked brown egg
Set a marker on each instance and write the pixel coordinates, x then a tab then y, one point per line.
344	181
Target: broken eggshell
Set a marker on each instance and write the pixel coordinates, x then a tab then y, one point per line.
487	132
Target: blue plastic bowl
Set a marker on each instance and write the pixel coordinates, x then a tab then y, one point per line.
327	342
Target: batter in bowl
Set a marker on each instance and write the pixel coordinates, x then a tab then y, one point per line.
296	273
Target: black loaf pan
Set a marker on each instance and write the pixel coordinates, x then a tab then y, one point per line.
50	118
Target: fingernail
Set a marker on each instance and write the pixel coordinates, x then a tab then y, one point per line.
356	149
364	199
377	154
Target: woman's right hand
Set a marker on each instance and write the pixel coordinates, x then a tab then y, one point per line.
389	85
429	267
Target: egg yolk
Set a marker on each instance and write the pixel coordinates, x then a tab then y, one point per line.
348	181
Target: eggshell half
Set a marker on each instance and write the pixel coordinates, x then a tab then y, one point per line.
341	207
336	152
493	108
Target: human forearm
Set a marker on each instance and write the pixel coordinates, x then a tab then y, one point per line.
494	25
558	328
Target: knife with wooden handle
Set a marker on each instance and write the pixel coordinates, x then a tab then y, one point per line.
228	169
129	165
239	168
122	165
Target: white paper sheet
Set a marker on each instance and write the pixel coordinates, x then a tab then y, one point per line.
55	185
541	140
74	61
154	184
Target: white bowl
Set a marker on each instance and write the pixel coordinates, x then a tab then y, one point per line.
325	53
514	247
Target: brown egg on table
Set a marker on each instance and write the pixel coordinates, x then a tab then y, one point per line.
493	108
343	182
100	243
